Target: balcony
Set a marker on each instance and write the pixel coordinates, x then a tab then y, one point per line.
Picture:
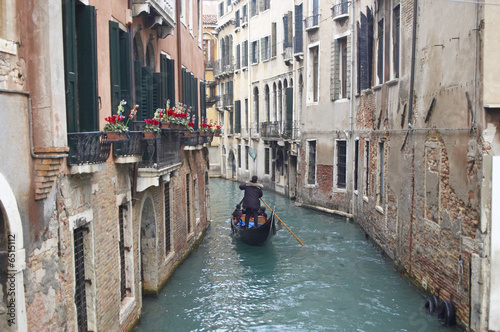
298	50
312	22
270	129
130	150
227	100
224	66
340	10
288	55
159	15
88	151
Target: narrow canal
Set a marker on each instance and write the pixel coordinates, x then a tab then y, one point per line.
337	282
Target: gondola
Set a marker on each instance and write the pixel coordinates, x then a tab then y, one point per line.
253	236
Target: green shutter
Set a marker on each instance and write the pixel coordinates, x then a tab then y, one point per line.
203	99
274	41
141	113
86	34
70	65
171	81
156	101
289	108
183	87
114	53
164	79
125	70
237	116
262	48
147	92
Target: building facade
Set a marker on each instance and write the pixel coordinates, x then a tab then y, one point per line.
89	225
381	111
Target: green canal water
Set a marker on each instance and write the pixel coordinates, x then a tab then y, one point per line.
337	282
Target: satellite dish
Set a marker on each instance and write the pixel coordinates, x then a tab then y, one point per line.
251	152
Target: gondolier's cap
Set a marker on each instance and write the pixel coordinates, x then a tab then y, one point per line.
254	179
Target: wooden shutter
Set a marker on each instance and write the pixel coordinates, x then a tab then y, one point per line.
285	32
164	80
156	93
147	93
114	54
141	113
298	29
171	81
86	35
262	48
289	107
290	29
70	65
203	99
274	41
237	116
125	69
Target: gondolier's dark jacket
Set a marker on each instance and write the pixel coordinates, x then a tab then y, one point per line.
253	191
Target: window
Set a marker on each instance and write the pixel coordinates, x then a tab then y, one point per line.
297	43
237	19
365	50
341	164
231	123
313	84
239	156
80	63
254	50
265	48
244	60
381	157
396	18
287	31
356	162
380	52
166	198
190	16
221	9
246	114
266	4
267	160
244	13
188	203
238	60
343	67
254	10
367	167
237	116
256	109
273	36
80	284
247	156
311	162
121	244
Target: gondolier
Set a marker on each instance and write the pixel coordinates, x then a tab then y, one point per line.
251	202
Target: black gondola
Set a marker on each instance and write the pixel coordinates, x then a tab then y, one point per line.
254	236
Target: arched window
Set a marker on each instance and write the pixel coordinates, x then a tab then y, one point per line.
275	102
150	56
256	109
138	48
268	103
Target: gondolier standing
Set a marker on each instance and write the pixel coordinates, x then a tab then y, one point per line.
251	203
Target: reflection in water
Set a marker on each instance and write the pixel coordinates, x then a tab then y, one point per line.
337	282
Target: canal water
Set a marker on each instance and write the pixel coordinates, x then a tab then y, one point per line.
337	282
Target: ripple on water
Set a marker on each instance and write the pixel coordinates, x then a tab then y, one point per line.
338	282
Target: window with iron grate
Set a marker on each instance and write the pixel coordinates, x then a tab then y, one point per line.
167	218
80	292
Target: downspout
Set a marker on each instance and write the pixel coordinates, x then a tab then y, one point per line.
30	119
351	106
410	119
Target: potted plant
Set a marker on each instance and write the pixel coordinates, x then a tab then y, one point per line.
115	129
217	129
152	128
176	117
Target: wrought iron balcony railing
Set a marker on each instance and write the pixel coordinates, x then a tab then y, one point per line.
340	9
130	147
270	129
311	22
224	66
163	151
88	148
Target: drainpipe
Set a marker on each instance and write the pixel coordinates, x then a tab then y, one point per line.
410	119
351	106
30	118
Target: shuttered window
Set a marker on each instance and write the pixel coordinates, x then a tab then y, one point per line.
237	116
238	55
245	54
298	44
341	164
274	41
119	52
365	50
311	163
80	59
289	111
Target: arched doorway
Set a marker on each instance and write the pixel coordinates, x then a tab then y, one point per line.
12	262
149	255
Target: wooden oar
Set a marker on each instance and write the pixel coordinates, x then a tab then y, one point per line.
283	223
